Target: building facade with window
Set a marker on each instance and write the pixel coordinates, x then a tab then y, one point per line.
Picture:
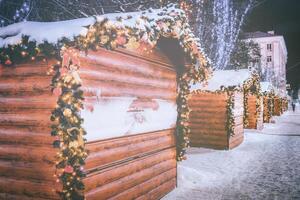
272	65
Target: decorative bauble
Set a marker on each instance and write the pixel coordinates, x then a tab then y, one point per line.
57	91
69	169
8	62
121	40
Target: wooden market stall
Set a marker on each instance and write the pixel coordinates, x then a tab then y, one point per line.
280	105
217	111
268	101
112	104
285	104
253	103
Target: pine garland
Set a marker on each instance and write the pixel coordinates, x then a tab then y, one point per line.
230	124
252	86
69	133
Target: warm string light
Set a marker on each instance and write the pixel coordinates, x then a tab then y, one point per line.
252	86
68	131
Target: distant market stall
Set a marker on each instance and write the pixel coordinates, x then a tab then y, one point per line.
268	101
112	92
253	103
217	110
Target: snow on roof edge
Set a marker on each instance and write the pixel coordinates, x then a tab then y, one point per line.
225	78
52	32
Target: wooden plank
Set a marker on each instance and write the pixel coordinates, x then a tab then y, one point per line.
35	189
23	136
159	191
127	147
126	183
121	61
27	170
141	189
115	172
44	154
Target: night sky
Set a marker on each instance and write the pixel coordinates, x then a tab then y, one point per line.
282	16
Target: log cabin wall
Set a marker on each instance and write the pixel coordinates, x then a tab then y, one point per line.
277	106
255	121
238	136
208	120
27	157
267	113
260	117
130	166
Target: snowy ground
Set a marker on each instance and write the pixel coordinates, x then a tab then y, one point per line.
266	166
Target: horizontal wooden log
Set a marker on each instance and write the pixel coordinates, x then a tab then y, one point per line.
207	131
221	146
206	126
156	55
208	122
123	184
107	153
208	114
236	142
108	74
27	69
149	185
45	154
35	189
193	102
159	191
7	196
28	83
121	61
25	136
26	118
27	170
113	173
27	102
209	138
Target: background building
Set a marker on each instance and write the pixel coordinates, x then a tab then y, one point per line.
272	63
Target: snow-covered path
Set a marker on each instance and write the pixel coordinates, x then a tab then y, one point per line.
266	166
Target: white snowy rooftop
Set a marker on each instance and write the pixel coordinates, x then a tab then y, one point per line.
266	86
52	32
224	78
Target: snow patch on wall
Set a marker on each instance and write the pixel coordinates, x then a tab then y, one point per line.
110	118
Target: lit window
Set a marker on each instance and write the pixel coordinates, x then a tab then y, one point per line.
269	47
269	59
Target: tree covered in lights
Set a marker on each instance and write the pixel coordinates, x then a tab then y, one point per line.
56	10
246	54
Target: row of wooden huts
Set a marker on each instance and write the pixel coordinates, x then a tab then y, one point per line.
107	116
231	101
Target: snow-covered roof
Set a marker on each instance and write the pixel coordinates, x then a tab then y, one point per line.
224	78
52	32
266	86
